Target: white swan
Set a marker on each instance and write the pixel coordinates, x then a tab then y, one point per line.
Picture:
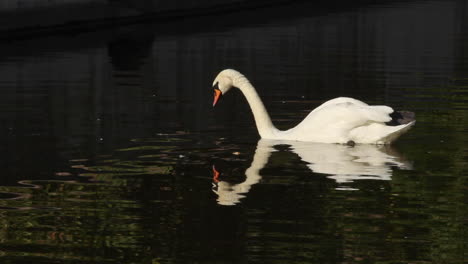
343	164
340	120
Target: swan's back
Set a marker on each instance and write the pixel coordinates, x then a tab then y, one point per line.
335	121
340	100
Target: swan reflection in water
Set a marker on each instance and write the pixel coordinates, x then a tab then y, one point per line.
341	163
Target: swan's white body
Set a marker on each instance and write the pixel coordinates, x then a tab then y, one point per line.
339	120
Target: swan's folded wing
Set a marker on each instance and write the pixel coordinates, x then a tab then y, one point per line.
340	100
376	113
332	123
348	115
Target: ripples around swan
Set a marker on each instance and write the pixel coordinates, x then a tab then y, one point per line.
280	195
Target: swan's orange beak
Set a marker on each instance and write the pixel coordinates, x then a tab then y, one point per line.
215	175
217	95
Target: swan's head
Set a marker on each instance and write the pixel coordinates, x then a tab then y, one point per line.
225	80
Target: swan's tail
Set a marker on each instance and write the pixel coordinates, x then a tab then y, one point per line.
379	133
401	122
395	132
401	118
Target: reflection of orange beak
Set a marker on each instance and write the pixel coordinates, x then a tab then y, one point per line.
217	95
215	175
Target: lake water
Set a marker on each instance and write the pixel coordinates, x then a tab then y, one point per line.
112	153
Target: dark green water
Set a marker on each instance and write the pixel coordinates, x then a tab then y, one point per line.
108	141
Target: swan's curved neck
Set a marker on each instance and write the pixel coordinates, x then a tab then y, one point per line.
260	159
265	127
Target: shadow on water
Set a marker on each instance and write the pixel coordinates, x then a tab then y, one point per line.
108	141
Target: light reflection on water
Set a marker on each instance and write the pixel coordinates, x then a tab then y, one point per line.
341	163
109	143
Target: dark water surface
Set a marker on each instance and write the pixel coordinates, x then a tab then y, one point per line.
109	141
